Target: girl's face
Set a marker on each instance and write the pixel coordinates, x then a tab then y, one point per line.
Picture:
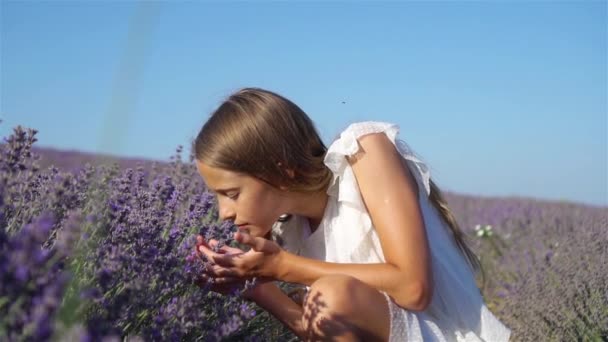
253	204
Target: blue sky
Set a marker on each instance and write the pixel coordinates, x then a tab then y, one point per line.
499	98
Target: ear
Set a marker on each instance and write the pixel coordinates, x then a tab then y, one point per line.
290	172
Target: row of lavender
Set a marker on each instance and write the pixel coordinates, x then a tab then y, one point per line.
546	265
102	252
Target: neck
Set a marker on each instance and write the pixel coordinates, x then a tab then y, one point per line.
312	206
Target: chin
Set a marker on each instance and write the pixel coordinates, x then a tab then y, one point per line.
257	232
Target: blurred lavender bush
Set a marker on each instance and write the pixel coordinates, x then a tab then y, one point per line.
546	265
94	252
101	252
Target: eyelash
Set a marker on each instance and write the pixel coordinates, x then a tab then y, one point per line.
233	197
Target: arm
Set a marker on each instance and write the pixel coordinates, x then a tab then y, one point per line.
392	203
408	293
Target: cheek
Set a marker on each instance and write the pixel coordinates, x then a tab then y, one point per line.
265	209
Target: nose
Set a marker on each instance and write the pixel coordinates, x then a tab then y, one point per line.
226	211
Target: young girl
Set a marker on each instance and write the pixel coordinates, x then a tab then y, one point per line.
360	224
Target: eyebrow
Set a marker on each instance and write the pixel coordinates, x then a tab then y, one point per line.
224	190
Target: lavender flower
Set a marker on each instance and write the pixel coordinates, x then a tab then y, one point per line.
32	280
129	267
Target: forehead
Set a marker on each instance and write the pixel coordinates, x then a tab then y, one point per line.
217	178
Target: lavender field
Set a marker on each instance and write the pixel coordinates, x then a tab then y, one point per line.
105	251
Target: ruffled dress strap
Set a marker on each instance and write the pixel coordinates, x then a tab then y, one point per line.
347	145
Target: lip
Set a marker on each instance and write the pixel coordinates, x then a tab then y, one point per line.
244	229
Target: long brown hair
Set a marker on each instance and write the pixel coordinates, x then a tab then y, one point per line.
263	134
441	205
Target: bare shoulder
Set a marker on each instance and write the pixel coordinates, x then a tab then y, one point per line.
375	143
376	156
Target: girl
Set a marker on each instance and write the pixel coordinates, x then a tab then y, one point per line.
360	224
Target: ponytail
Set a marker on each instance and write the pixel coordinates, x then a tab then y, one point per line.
440	204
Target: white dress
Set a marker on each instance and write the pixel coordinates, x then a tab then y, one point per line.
346	235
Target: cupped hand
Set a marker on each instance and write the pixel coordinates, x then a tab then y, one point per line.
261	261
204	249
208	280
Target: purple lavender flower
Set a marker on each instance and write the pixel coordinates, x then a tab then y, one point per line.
147	249
130	276
33	280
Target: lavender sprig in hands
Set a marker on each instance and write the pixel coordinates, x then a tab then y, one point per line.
262	260
219	241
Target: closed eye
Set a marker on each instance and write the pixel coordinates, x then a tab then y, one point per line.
232	195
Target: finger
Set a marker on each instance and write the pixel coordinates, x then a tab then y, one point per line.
222	257
221	272
216	271
226	260
200	241
231	250
207	252
218	279
212	270
225	248
227	280
257	243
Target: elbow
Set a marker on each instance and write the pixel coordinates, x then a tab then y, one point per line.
418	297
423	300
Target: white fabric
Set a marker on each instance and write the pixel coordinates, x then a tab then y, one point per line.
346	235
